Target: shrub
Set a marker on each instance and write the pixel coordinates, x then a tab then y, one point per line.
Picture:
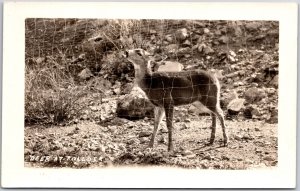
51	95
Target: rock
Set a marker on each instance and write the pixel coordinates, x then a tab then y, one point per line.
268	158
39	60
192	109
143	140
203	48
27	151
181	34
233	74
223	39
84	117
171	48
251	111
186	43
274	81
101	84
208	50
162	140
227	98
187	120
271	91
134	105
235	106
145	134
187	152
253	26
208	157
274	116
117	91
41	136
169	66
225	158
126	89
169	38
152	31
237	137
247	137
184	126
254	95
95	108
206	30
85	74
198	108
184	51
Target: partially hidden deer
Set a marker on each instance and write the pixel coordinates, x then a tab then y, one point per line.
166	90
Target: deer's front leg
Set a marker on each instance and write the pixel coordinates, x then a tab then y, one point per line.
169	119
158	115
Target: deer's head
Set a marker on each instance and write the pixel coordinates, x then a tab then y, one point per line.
137	56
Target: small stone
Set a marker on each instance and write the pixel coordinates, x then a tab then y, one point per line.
41	136
185	126
27	151
143	140
94	108
268	158
145	134
223	39
152	31
254	94
237	137
236	105
117	91
225	158
162	140
186	152
84	117
169	38
206	30
181	34
187	120
207	157
85	74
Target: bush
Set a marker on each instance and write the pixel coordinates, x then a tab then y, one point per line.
51	95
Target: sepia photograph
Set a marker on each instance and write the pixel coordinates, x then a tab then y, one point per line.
202	93
185	93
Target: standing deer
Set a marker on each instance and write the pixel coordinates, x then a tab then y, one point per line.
169	89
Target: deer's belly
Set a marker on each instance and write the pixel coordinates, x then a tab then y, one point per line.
175	97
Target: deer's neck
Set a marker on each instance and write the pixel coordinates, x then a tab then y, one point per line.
142	71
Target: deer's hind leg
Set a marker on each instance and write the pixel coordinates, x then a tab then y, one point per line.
213	128
217	112
158	115
212	103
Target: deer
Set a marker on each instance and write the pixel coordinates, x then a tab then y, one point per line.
166	90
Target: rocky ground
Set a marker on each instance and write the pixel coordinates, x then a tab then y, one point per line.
118	141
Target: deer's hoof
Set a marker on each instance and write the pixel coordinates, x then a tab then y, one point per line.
151	144
170	149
